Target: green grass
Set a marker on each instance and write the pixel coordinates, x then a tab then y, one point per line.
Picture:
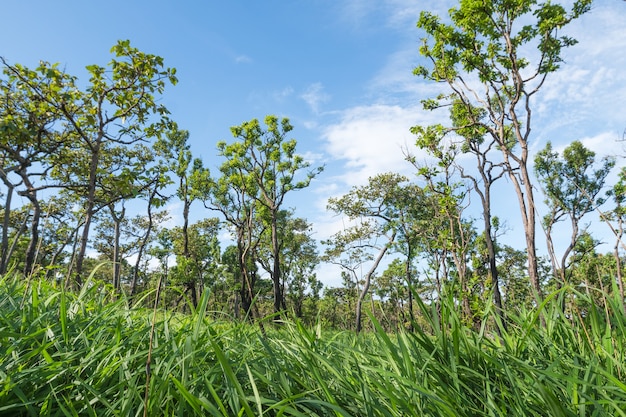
70	354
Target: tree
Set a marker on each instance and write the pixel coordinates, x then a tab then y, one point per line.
232	196
142	232
494	57
197	253
116	113
372	209
29	141
391	289
298	257
513	271
572	189
618	216
446	234
265	158
177	159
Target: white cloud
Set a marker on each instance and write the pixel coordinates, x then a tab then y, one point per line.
587	95
314	95
354	12
283	94
243	59
313	158
370	140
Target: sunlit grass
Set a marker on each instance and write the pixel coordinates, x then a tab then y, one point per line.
83	354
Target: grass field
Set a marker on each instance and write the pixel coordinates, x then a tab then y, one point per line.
67	354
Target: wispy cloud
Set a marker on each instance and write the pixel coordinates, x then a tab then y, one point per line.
314	96
283	94
243	59
587	95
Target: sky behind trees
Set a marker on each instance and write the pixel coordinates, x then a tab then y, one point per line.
341	71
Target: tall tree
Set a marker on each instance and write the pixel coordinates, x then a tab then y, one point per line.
373	210
176	154
298	257
572	188
618	216
266	158
447	234
197	253
118	110
494	57
143	230
30	138
231	194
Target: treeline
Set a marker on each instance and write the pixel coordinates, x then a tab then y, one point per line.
84	154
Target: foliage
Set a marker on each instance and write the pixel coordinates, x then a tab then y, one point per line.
81	354
492	57
264	162
573	189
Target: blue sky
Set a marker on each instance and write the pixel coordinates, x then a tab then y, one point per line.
341	70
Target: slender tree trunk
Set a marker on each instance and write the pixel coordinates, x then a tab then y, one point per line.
191	286
493	272
368	279
186	205
89	210
246	290
31	251
59	251
19	234
29	263
278	294
486	168
4	251
117	220
523	189
618	263
409	282
142	246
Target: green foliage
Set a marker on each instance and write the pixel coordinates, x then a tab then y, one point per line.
492	57
80	354
572	186
569	181
261	166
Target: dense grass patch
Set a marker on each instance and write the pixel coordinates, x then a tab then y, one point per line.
63	353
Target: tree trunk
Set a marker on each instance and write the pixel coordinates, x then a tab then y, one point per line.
142	246
618	263
19	234
368	279
409	282
526	201
493	271
89	209
276	278
117	220
620	282
31	251
246	290
4	246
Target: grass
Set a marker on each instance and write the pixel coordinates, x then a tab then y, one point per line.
70	354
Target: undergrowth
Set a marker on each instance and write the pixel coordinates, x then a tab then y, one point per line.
68	354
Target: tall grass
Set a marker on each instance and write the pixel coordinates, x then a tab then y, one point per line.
83	354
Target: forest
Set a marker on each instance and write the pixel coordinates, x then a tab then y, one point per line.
109	308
